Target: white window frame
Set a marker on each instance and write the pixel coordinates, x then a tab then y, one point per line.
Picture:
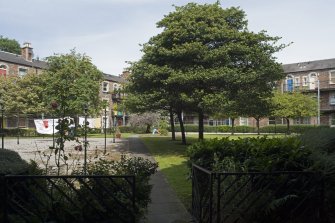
296	81
304	80
330	77
332	98
103	87
332	120
244	120
25	68
115	87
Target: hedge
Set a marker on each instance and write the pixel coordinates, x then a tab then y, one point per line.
248	129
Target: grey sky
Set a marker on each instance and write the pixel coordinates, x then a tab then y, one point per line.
110	31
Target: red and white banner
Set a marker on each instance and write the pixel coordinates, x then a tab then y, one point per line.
46	126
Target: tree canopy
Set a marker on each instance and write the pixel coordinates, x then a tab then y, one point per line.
9	45
206	51
71	81
293	105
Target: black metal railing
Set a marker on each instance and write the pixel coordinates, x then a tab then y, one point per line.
67	199
256	197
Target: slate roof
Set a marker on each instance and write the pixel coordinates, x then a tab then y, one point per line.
113	78
309	66
18	59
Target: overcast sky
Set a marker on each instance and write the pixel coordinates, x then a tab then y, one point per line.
110	31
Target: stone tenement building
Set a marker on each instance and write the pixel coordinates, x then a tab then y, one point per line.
19	65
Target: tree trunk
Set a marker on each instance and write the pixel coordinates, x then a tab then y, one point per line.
288	126
148	128
201	125
257	125
232	126
182	129
173	133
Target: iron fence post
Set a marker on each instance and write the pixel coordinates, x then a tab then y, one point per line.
218	214
211	198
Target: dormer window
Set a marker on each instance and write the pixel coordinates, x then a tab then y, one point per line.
105	87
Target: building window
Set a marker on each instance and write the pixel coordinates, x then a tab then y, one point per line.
332	119
304	81
289	83
332	98
115	87
302	120
312	81
243	121
22	71
105	87
272	121
332	77
3	70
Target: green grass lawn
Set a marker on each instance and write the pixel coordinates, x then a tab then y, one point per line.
172	160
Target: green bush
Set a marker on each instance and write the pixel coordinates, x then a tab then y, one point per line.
250	154
293	128
141	168
12	163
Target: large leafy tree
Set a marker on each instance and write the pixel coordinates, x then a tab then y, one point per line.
23	94
72	81
291	105
207	50
9	45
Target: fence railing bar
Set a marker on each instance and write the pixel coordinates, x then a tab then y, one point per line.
101	200
84	197
111	194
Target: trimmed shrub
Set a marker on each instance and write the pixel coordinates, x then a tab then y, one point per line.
250	154
12	163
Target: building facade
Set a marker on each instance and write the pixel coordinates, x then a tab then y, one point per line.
19	65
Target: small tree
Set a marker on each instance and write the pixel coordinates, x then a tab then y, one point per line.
147	119
293	105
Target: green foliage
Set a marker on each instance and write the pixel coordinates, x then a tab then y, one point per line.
133	129
250	154
9	45
204	54
293	128
141	168
12	163
72	81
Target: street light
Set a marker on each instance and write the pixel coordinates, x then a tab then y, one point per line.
54	106
2	132
105	126
85	139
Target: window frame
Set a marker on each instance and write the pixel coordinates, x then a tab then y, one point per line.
5	68
103	87
331	95
330	77
25	68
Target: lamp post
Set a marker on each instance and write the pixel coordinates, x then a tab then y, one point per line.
54	106
85	139
2	132
105	129
318	101
113	126
18	129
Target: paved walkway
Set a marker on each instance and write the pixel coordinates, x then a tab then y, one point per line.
165	206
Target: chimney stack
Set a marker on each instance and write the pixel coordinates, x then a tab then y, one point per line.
27	51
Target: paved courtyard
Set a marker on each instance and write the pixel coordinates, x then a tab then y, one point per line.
37	149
